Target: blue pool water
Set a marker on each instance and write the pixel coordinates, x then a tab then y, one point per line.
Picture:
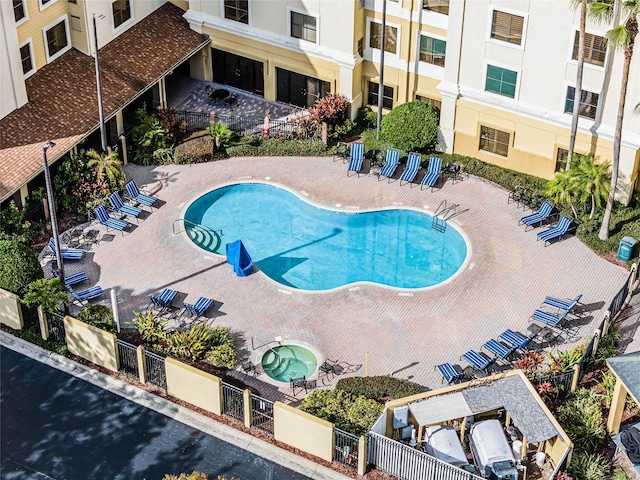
311	248
289	361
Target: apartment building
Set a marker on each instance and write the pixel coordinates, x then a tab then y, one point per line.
501	72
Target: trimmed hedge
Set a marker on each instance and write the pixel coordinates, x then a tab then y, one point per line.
277	147
99	316
19	266
381	389
197	148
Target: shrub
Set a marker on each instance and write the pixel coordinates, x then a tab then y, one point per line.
619	474
585	466
76	183
221	336
278	147
19	266
223	356
13	225
48	293
221	135
187	476
380	388
581	418
372	142
192	344
151	328
354	414
367	118
197	148
99	316
411	126
563	360
608	346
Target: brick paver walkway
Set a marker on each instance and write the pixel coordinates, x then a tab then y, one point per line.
507	276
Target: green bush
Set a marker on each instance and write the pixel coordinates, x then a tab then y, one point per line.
582	419
197	148
354	414
223	356
48	293
278	147
35	337
372	141
12	224
367	118
99	316
380	388
585	466
19	266
608	346
151	328
411	126
619	474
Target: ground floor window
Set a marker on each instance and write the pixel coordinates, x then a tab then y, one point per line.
239	72
494	141
299	90
387	95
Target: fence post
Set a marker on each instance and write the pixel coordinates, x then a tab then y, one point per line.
362	455
605	323
324	133
576	377
142	364
596	341
123	143
212	116
44	325
248	410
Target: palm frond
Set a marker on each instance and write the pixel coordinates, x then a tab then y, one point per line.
617	37
602	12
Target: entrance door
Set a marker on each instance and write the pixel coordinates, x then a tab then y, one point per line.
299	90
239	72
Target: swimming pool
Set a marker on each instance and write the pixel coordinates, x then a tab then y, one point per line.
307	247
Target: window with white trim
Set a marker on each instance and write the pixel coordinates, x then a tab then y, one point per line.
121	11
507	27
438	6
237	10
501	81
595	48
26	58
494	141
57	39
387	95
19	10
432	50
588	103
303	27
45	3
390	40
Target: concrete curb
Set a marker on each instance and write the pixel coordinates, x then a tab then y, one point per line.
176	412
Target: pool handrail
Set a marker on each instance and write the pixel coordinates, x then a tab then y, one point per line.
199	225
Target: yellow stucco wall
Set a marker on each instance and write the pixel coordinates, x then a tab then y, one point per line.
303	431
91	343
10	312
194	386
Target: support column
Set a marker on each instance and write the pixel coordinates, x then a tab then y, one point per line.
362	456
248	410
24	195
617	408
162	92
142	364
44	325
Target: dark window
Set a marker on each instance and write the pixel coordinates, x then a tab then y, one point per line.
237	10
390	40
121	12
56	38
588	103
494	141
299	90
387	95
440	6
561	159
432	50
595	48
507	27
501	80
303	27
436	104
44	2
18	10
239	72
25	57
361	46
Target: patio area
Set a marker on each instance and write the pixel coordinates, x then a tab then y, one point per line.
405	332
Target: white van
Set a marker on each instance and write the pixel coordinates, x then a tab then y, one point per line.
443	443
491	451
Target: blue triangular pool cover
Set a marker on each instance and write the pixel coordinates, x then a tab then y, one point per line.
238	256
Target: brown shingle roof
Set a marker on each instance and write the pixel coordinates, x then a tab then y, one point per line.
62	95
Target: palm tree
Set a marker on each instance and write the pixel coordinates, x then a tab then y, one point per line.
577	97
592	181
107	164
562	188
621	36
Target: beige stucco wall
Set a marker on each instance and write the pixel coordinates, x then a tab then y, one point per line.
10	312
91	343
303	431
194	386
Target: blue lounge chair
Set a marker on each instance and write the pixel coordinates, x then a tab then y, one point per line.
562	305
356	158
500	350
411	170
74	278
537	218
519	342
478	361
549	319
110	222
66	253
86	295
449	373
137	196
199	308
163	301
390	164
433	172
559	231
119	206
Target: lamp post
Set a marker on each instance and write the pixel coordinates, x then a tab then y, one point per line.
52	208
383	39
103	130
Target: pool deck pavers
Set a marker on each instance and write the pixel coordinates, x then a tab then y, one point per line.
406	333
